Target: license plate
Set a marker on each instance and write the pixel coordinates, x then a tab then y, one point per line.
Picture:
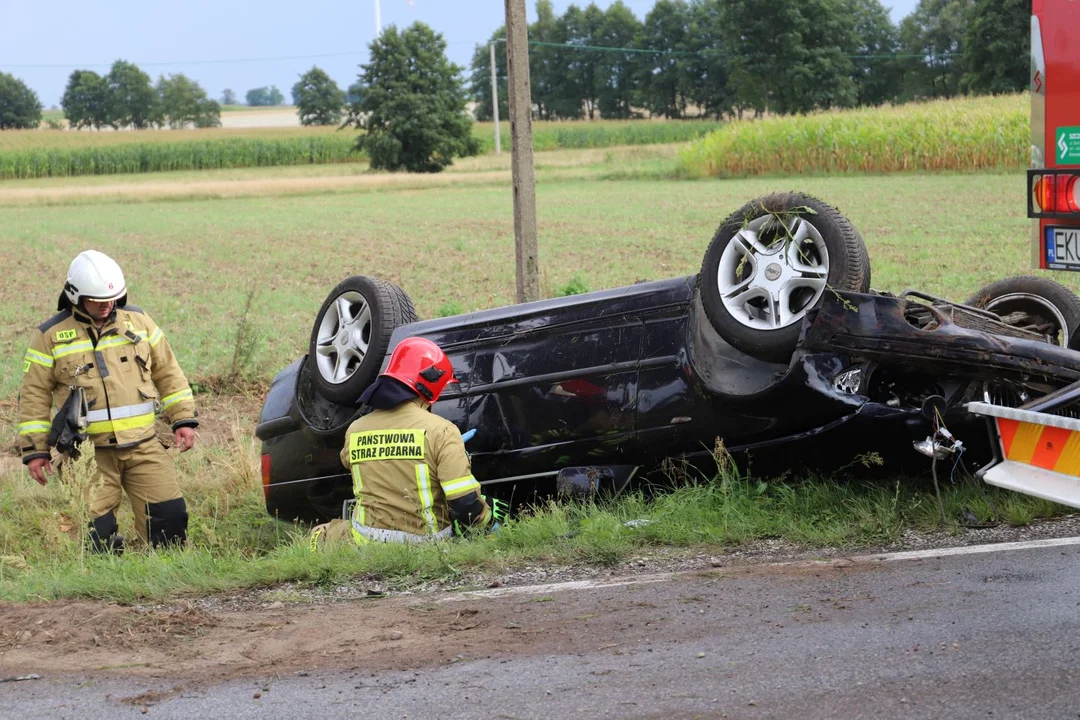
1063	248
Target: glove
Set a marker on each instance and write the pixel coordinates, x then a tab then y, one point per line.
499	511
68	429
468	435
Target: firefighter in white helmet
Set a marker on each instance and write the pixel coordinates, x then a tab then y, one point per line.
127	373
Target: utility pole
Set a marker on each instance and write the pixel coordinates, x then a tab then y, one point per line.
495	99
378	20
521	145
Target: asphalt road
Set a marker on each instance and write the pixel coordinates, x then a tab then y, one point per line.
988	634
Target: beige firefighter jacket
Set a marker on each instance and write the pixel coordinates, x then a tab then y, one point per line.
410	475
127	371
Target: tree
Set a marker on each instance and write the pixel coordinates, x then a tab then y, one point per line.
86	100
708	70
615	70
130	98
412	103
580	88
228	97
20	108
183	102
264	97
353	94
748	78
318	99
480	78
934	34
788	55
997	47
663	75
547	70
208	113
877	76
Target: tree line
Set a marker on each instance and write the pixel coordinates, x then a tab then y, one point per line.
728	57
125	98
716	58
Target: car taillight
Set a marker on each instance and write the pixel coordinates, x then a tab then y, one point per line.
266	476
1057	194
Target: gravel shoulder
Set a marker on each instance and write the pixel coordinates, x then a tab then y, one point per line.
293	629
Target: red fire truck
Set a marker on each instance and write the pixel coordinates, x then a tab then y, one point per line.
1054	177
1038	444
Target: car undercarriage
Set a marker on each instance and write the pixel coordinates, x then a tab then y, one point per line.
778	342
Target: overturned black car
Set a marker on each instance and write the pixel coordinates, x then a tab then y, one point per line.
777	348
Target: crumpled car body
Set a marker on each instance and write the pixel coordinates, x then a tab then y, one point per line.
590	392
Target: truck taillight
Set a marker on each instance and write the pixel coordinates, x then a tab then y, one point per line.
266	476
1054	193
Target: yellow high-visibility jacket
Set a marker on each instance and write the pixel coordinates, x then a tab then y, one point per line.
411	475
126	369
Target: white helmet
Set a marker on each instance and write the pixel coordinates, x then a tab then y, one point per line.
94	276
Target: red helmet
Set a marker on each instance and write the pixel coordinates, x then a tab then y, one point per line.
422	366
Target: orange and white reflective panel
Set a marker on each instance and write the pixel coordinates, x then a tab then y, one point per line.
1041	453
1052	448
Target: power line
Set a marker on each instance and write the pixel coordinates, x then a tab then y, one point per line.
689	53
540	43
602	48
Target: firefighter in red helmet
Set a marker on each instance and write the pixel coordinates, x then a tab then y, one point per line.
412	480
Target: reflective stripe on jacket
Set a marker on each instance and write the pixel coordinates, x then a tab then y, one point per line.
127	371
407	466
364	534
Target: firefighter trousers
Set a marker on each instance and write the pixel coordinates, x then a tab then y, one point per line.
331	533
146	473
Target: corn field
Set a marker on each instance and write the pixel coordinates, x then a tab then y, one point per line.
42	154
48	138
144	157
962	134
578	135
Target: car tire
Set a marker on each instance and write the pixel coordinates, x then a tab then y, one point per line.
770	263
1034	303
351	333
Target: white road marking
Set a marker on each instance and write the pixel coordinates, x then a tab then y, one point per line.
548	588
968	550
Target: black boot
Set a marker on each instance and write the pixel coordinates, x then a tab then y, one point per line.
103	536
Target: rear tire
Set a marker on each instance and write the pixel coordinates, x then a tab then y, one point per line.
1033	303
770	263
351	333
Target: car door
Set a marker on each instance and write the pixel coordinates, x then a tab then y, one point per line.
553	385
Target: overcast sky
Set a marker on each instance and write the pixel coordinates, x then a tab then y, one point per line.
237	44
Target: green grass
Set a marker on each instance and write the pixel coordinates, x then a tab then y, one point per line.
576	286
234	545
194	263
191	263
967	134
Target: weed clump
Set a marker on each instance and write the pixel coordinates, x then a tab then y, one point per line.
575	286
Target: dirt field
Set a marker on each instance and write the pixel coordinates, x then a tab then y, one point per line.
271	117
240	188
194	644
